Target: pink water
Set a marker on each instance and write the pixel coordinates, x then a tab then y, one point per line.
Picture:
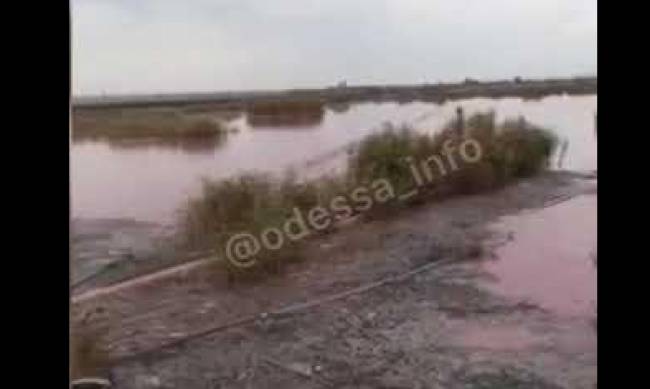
150	182
550	261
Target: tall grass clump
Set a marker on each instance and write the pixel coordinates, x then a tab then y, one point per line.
384	156
510	150
252	203
526	148
248	203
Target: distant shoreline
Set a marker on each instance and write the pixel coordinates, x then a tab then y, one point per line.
523	88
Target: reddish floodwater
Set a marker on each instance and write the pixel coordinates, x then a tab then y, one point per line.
150	182
550	260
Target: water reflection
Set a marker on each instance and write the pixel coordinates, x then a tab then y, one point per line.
290	113
288	121
550	261
339	107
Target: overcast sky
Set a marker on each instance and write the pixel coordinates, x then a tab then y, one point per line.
154	46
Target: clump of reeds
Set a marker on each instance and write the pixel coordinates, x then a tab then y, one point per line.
248	203
251	203
510	150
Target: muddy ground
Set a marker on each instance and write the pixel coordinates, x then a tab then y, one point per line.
441	328
106	251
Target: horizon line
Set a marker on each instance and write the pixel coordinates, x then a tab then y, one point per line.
324	87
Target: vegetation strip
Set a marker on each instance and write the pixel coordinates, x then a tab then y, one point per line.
260	222
516	87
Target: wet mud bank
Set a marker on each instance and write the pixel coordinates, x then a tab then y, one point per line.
108	251
454	326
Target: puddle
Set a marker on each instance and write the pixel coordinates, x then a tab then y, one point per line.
550	261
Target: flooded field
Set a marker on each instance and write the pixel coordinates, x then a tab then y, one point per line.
149	180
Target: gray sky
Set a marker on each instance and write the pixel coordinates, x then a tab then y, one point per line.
152	46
